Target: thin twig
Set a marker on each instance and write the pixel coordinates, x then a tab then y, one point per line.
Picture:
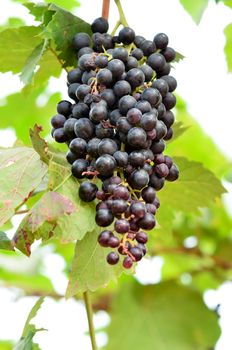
19	212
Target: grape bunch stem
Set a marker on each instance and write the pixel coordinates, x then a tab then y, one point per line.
89	311
105	8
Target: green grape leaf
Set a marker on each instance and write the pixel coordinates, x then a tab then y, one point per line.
5	242
49	209
25	40
177	264
83	219
196	187
178	130
45	150
195	8
228	46
62	29
49	66
90	270
163	316
40	114
39	284
39	9
12	22
187	146
21	171
31	63
29	331
179	57
6	345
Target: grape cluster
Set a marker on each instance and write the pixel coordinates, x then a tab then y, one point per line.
116	131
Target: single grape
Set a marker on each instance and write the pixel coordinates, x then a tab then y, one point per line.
84	128
69	127
104	237
148	47
126	35
125	103
136	159
119	206
78	167
108	96
138	209
100	25
148	121
137	53
75	76
64	108
161	85
98	113
171	81
104	77
121	192
152	96
71	157
104	217
121	226
132	62
120	53
87	191
147	222
143	106
140	179
127	262
161	170
81	40
147	71
58	121
113	242
156	182
105	164
59	135
92	147
169	101
141	237
156	61
161	41
148	194
137	253
121	158
136	137
135	77
112	258
169	54
173	173
107	146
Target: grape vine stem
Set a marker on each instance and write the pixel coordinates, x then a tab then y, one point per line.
105	8
122	19
89	312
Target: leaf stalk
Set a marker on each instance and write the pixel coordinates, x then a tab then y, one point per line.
89	311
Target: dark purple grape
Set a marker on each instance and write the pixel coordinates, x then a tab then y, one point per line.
138	209
137	253
121	226
147	71
143	106
116	67
134	116
135	77
148	121
148	47
161	85
161	41
104	217
104	237
171	81
173	173
59	135
141	237
127	262
101	61
121	158
64	107
120	53
100	25
152	96
81	40
125	103
112	258
58	121
148	194
147	222
126	35
156	182
105	164
169	54
137	53
113	242
87	191
140	179
122	88
119	206
75	76
136	137
169	101
121	192
136	159
71	157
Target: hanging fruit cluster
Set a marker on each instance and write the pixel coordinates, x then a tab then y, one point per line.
116	130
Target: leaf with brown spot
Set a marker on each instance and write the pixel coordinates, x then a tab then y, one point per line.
21	171
42	220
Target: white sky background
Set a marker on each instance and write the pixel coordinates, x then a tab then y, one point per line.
205	85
